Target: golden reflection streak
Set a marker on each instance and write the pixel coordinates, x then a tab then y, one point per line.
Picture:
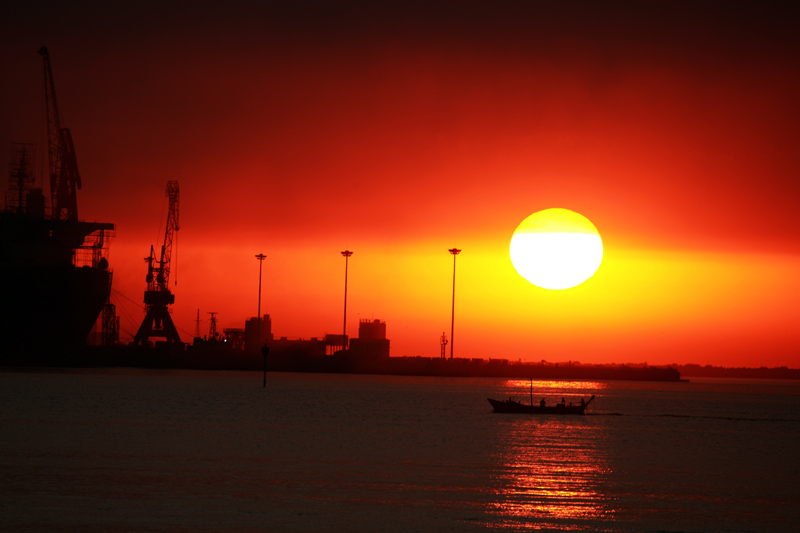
551	468
554	385
552	390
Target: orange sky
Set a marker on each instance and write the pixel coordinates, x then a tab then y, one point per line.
302	129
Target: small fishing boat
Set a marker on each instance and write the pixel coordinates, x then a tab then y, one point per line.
511	406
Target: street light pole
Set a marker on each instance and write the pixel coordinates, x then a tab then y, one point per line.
455	252
346	254
260	258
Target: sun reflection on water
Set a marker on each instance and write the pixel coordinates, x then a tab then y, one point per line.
554	385
551	469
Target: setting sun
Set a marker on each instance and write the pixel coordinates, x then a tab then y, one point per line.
556	249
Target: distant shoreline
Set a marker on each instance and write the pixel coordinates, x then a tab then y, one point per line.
709	371
223	358
231	359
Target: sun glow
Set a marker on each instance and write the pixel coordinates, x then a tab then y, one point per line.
556	249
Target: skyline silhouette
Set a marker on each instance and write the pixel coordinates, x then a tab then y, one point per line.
398	133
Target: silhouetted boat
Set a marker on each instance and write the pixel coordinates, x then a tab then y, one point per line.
511	406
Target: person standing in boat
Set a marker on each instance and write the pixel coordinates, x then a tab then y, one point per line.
542	402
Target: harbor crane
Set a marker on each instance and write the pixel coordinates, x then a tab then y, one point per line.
157	321
64	177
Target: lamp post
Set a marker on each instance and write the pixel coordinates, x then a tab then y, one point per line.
346	254
260	258
455	252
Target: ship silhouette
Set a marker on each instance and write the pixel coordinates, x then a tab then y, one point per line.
56	276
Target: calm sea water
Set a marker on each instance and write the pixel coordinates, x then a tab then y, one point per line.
135	450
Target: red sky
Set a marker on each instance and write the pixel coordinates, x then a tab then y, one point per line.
300	129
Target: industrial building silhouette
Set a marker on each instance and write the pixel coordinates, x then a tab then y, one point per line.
371	343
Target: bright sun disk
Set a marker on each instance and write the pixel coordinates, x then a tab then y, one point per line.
556	249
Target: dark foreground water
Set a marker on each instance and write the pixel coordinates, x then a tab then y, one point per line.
131	450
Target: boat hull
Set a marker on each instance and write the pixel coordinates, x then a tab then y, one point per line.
50	309
49	305
510	406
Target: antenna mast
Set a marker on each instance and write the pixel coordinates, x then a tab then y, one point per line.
212	328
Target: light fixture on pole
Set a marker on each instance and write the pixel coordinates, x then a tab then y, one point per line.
455	252
346	254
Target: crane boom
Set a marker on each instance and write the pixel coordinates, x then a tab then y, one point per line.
65	179
173	192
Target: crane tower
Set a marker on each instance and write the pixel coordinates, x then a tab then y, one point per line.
158	322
